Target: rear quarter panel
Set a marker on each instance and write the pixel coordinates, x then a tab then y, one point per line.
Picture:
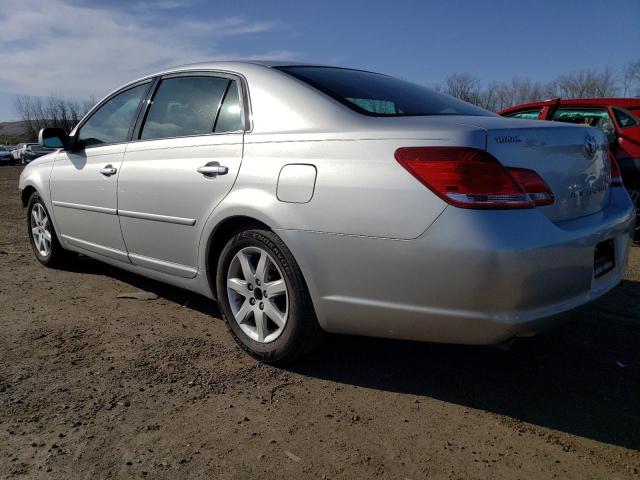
360	189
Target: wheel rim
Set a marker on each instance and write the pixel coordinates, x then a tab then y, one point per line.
41	230
257	294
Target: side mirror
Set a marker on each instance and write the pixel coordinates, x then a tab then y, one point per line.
53	137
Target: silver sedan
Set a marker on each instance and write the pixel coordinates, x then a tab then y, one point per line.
308	199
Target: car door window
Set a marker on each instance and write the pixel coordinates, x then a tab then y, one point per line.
624	120
112	121
527	115
590	117
184	106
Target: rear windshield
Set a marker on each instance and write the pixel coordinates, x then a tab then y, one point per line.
379	95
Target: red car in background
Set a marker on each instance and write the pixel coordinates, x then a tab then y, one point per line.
618	117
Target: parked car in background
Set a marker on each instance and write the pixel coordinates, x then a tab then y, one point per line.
307	198
618	118
31	152
5	156
19	151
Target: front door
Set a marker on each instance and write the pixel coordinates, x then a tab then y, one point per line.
183	162
84	180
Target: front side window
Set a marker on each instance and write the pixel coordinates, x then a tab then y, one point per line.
526	115
624	119
590	117
112	121
185	106
379	95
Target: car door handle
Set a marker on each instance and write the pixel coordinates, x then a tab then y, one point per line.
108	170
212	169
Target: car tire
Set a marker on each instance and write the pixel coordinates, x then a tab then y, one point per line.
288	328
42	234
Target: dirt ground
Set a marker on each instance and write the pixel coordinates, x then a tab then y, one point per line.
92	386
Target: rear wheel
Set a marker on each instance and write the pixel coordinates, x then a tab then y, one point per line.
263	298
42	235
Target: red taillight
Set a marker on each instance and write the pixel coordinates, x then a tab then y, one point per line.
539	193
616	177
472	178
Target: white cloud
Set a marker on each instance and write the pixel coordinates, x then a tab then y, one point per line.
162	4
77	51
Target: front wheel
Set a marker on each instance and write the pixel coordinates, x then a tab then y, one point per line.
42	235
263	298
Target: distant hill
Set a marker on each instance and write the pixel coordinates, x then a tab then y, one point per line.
12	128
13	132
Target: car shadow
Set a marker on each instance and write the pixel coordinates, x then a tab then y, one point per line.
177	295
582	378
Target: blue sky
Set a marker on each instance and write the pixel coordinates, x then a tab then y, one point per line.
87	48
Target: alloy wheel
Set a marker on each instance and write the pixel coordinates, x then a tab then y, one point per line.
41	230
257	294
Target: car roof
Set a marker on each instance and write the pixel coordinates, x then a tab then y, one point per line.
240	67
244	63
577	102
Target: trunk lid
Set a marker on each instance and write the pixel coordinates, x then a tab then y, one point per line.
572	160
556	151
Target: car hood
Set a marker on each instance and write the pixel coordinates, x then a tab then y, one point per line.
48	157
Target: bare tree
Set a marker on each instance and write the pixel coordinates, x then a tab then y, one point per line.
580	84
517	91
463	86
52	111
631	79
584	84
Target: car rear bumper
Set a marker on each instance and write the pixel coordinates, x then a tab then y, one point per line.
474	277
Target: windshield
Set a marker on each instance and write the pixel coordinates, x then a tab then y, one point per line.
379	95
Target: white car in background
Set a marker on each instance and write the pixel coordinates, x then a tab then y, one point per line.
18	153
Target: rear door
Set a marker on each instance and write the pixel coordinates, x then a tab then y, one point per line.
183	161
84	180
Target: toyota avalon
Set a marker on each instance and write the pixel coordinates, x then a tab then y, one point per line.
307	199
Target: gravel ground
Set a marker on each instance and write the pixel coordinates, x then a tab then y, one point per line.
93	386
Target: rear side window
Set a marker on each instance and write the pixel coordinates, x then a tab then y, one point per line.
624	119
526	115
112	121
184	106
379	95
230	116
